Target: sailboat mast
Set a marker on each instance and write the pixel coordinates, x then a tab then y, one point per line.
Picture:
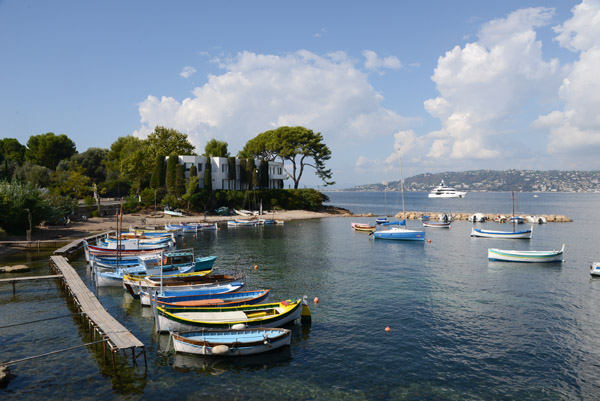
402	189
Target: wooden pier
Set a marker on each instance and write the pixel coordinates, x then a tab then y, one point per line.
78	244
100	322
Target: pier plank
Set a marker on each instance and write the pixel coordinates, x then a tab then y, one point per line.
117	334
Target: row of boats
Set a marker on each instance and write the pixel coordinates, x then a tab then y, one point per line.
205	313
400	233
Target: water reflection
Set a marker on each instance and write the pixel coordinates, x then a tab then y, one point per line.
217	365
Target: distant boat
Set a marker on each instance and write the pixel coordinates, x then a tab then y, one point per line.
442	191
363	227
595	269
525	256
172	212
400	233
437	224
524	234
231	342
381	220
478	218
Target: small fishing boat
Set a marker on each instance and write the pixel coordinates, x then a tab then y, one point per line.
523	234
156	285
525	256
362	227
231	342
261	315
242	223
381	220
437	224
595	269
221	299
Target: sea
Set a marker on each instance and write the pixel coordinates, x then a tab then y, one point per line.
433	320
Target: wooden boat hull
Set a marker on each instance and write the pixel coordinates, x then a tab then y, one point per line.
525	256
231	342
400	234
261	315
525	234
363	227
437	224
237	298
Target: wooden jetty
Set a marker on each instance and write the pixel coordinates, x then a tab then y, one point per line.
78	244
15	280
99	321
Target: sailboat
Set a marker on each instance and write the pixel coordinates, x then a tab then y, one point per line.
514	234
399	233
383	219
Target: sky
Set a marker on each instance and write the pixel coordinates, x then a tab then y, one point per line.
433	86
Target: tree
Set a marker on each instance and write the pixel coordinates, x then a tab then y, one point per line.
171	174
216	148
192	185
165	141
11	149
158	175
208	175
92	162
179	180
49	149
297	145
37	175
128	159
72	182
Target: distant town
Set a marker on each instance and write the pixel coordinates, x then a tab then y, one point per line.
491	180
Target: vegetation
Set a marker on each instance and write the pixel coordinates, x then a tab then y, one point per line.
44	179
297	145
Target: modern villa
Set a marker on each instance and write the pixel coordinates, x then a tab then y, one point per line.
220	172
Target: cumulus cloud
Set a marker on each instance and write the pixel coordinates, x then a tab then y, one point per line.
576	128
374	63
258	92
187	72
485	83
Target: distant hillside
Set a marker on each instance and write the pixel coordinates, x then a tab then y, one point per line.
491	180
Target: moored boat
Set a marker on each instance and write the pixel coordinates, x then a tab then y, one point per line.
261	315
236	298
363	227
525	256
437	224
231	342
595	269
523	234
442	191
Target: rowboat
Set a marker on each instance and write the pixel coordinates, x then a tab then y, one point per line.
261	315
525	256
241	223
182	284
381	220
524	234
363	227
231	342
224	299
437	224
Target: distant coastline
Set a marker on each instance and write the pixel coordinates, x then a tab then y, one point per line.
494	181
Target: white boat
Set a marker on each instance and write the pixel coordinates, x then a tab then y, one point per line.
399	233
478	218
523	234
442	191
525	256
595	269
231	342
169	212
535	219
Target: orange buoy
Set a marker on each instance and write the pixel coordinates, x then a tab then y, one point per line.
255	267
429	240
316	300
387	328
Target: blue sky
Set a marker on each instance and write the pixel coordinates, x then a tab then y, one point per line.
443	86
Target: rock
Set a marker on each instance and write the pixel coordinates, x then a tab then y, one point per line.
14	269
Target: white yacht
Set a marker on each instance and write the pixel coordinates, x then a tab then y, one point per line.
442	191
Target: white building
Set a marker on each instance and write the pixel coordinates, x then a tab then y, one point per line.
220	172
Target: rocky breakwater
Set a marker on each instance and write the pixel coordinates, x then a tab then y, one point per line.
549	218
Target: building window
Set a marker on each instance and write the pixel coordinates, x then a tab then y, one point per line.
224	168
199	167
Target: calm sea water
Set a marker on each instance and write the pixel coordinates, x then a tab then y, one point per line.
461	327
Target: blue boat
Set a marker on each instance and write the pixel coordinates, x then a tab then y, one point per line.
381	220
215	299
400	234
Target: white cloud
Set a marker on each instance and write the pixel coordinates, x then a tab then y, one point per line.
257	92
484	84
187	72
375	63
577	127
